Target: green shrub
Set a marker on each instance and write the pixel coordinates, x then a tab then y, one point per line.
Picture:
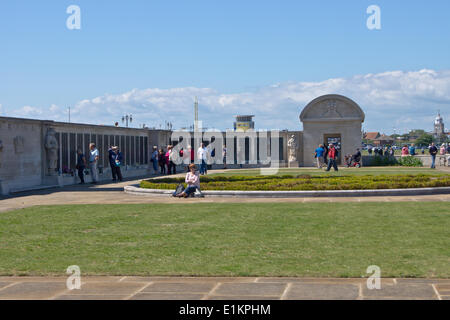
306	182
410	162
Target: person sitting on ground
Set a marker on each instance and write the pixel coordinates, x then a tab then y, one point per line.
192	180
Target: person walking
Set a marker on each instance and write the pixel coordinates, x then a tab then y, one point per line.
162	161
319	156
115	161
154	159
332	157
433	152
202	156
93	160
81	164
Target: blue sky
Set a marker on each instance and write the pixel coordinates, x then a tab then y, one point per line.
143	56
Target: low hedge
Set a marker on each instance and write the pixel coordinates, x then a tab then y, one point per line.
306	182
382	161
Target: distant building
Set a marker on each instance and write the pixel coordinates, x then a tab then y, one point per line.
244	123
371	135
383	140
439	130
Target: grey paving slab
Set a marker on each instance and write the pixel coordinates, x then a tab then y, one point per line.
443	287
190	279
4	284
108	288
397	298
318	291
250	289
421	281
91	297
32	290
316	280
244	298
191	287
220	288
401	290
167	296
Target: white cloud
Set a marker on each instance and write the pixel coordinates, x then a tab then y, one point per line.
30	112
404	100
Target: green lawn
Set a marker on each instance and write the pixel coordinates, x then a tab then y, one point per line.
229	239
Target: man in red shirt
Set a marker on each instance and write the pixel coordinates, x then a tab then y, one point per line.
332	157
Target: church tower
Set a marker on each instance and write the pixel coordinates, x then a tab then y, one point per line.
438	131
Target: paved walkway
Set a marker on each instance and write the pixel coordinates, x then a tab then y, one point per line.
180	288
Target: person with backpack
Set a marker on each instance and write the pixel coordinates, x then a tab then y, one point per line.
193	182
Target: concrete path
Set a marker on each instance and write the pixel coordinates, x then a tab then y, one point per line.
181	288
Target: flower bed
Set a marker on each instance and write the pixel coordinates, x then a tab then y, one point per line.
306	182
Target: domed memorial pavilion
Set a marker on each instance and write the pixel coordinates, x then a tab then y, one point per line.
331	119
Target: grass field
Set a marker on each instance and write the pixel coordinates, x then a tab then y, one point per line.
226	239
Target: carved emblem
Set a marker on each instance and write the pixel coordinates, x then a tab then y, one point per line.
332	111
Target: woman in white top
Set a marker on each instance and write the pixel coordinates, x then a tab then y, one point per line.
192	180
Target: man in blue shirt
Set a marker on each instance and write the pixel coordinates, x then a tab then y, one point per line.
319	156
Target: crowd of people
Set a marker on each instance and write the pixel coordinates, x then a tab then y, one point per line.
327	156
411	150
91	161
164	162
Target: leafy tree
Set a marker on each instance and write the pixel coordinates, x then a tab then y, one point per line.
424	140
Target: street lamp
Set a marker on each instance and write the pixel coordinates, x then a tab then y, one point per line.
127	117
